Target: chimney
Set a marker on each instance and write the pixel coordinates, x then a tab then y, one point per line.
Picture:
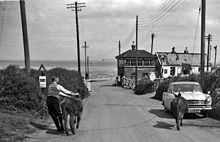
133	47
186	51
173	50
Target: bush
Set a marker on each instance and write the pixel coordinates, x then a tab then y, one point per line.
206	83
144	86
20	90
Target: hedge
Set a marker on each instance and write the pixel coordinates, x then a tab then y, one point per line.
144	86
164	85
206	83
20	90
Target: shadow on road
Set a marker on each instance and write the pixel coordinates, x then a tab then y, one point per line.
202	125
108	85
54	132
163	125
161	113
40	125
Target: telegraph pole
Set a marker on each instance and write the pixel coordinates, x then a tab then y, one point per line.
209	37
136	50
119	47
88	66
85	46
152	42
77	7
25	35
203	36
215	55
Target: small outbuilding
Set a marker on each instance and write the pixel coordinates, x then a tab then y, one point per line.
126	63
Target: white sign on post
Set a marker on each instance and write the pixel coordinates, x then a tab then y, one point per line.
42	81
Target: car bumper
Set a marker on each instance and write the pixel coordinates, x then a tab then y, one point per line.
198	109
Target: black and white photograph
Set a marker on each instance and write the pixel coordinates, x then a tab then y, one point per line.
109	71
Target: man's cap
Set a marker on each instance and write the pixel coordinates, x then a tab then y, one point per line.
53	78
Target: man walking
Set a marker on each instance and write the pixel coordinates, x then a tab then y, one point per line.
53	101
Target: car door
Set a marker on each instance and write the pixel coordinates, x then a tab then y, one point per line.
168	98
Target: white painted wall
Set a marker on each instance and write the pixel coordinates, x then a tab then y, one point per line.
195	70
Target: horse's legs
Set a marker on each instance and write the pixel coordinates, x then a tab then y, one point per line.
181	122
78	120
178	120
72	123
65	114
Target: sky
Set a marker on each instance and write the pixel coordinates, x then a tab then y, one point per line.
102	23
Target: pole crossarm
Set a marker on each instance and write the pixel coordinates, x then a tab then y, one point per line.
75	4
71	7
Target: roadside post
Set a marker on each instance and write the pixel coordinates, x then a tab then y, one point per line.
42	82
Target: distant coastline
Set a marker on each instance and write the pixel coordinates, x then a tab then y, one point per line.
98	69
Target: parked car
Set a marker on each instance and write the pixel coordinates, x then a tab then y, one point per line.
198	102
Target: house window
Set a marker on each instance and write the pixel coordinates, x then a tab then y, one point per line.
148	62
165	71
172	70
127	62
151	62
133	63
140	63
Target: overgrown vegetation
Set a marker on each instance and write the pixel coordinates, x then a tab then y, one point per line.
20	90
206	83
22	103
144	86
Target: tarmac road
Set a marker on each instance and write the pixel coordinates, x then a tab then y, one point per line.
115	114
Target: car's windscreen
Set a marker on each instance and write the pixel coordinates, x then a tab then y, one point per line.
186	88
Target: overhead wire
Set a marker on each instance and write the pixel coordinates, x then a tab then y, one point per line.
129	38
197	25
166	14
158	13
162	13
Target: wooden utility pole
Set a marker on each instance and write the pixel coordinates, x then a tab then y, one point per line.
25	36
215	55
209	37
119	47
85	46
152	42
77	7
203	36
88	66
136	51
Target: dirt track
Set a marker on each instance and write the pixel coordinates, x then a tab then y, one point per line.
114	114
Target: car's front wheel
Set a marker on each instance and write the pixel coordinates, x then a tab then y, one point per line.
204	113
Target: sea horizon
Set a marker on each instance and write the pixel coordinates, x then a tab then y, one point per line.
98	69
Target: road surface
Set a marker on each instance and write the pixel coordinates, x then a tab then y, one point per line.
115	114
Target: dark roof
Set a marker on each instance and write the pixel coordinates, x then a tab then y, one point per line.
179	58
134	53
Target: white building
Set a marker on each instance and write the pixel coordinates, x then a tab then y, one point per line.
173	63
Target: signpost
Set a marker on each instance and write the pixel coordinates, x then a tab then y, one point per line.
42	82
